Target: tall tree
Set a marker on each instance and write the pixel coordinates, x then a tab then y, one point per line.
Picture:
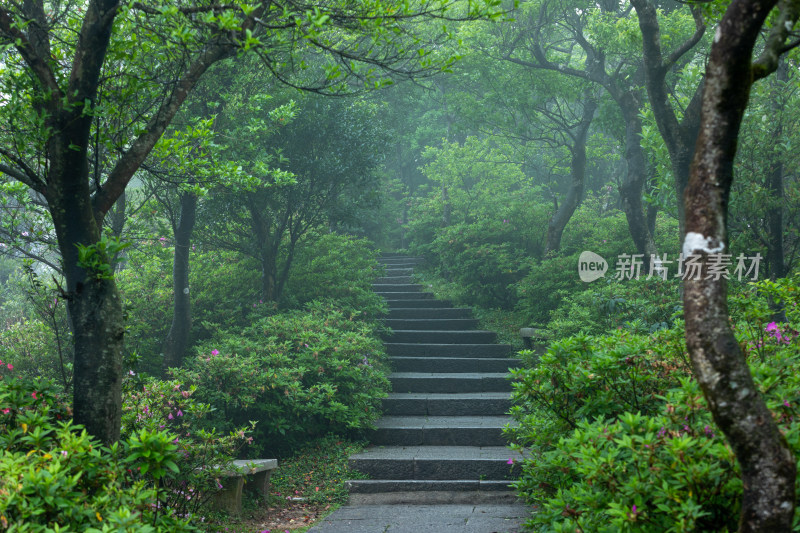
93	85
554	36
679	131
767	464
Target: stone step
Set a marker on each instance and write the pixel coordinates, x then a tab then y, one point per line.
391	271
430	492
381	288
437	462
394	279
432	312
450	324
405	295
441	336
440	431
416	304
450	381
401	261
400	349
388	255
453	364
444	404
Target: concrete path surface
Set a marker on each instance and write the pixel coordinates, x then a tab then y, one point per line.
449	518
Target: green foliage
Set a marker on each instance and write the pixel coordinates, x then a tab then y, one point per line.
485	245
643	305
97	258
297	374
34	332
339	268
316	472
596	227
29	345
54	475
668	472
581	378
224	290
621	438
162	422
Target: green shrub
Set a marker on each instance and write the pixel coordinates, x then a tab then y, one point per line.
338	268
224	290
54	475
642	306
582	378
201	456
298	374
30	346
484	259
634	448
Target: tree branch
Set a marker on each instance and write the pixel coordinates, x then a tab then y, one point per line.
700	30
26	175
767	63
132	159
41	69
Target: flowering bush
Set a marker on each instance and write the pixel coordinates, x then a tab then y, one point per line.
199	456
298	374
620	435
54	475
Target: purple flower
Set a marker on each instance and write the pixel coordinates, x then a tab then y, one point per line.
510	462
214	352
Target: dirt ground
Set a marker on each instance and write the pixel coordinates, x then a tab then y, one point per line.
293	516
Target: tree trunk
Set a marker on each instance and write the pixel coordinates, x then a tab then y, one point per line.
679	137
631	188
555	228
775	255
94	304
118	219
767	464
178	336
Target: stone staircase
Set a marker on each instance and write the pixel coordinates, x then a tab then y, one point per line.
440	439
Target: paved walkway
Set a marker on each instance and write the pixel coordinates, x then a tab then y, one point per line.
425	519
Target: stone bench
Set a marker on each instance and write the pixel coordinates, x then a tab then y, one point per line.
257	473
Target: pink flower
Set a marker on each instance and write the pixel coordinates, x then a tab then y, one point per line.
10	366
214	352
510	462
34	395
180	413
6	411
170	417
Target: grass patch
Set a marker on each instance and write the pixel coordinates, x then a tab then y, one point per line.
316	473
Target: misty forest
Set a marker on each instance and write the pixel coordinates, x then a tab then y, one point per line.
262	261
